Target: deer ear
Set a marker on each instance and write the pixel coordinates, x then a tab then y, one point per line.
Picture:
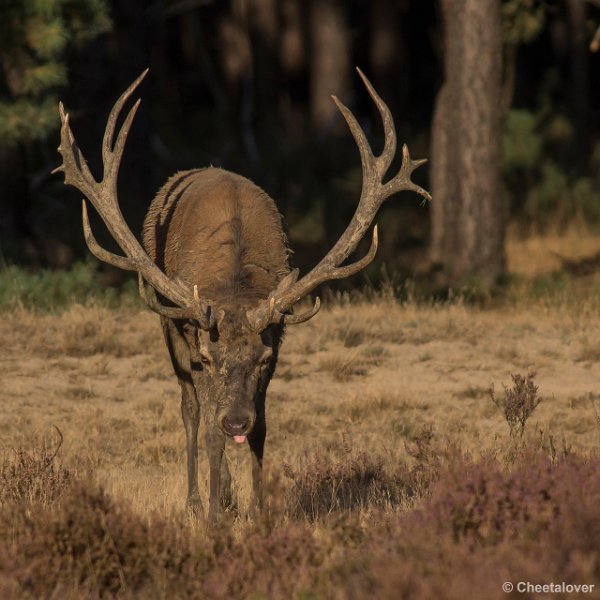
215	318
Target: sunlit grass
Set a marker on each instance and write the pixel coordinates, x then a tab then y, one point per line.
384	448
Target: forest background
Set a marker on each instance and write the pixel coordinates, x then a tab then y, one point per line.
246	85
431	433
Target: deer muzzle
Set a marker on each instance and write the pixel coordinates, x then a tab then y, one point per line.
237	424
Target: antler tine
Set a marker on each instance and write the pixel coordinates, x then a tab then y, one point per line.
359	265
261	319
305	316
172	312
198	311
112	166
73	163
259	322
201	310
121	262
109	132
103	195
389	130
380	164
402	180
366	154
374	193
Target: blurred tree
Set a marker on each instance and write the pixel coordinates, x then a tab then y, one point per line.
595	41
293	60
522	22
238	82
330	58
265	31
388	55
466	157
34	38
579	79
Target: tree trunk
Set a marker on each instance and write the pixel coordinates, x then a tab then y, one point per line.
264	28
330	61
578	74
133	42
467	207
388	57
293	62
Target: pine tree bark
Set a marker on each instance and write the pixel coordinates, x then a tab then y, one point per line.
264	27
468	221
388	55
329	61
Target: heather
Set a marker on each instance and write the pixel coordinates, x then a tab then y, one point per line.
456	527
414	450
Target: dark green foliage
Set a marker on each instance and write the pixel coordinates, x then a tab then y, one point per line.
522	141
542	191
548	171
48	289
522	20
34	36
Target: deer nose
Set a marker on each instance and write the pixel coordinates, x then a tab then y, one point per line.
236	424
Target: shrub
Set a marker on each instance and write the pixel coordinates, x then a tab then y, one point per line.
483	525
518	403
49	289
33	476
480	523
322	486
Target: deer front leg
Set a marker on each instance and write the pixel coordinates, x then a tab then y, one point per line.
256	441
190	411
227	500
215	445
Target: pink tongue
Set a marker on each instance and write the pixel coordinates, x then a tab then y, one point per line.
239	439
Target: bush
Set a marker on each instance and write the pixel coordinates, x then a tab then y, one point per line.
545	191
518	402
322	486
49	289
479	524
33	476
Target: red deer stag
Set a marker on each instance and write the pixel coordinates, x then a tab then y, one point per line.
214	266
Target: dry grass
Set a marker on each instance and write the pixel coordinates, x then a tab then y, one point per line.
368	401
103	377
541	254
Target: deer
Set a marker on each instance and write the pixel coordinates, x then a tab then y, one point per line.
214	264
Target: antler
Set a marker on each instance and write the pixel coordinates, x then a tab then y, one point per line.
103	195
374	193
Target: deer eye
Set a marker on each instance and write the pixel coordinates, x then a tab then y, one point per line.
266	358
205	359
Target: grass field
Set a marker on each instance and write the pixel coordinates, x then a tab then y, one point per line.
390	471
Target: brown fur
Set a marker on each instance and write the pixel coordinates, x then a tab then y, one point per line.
217	230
